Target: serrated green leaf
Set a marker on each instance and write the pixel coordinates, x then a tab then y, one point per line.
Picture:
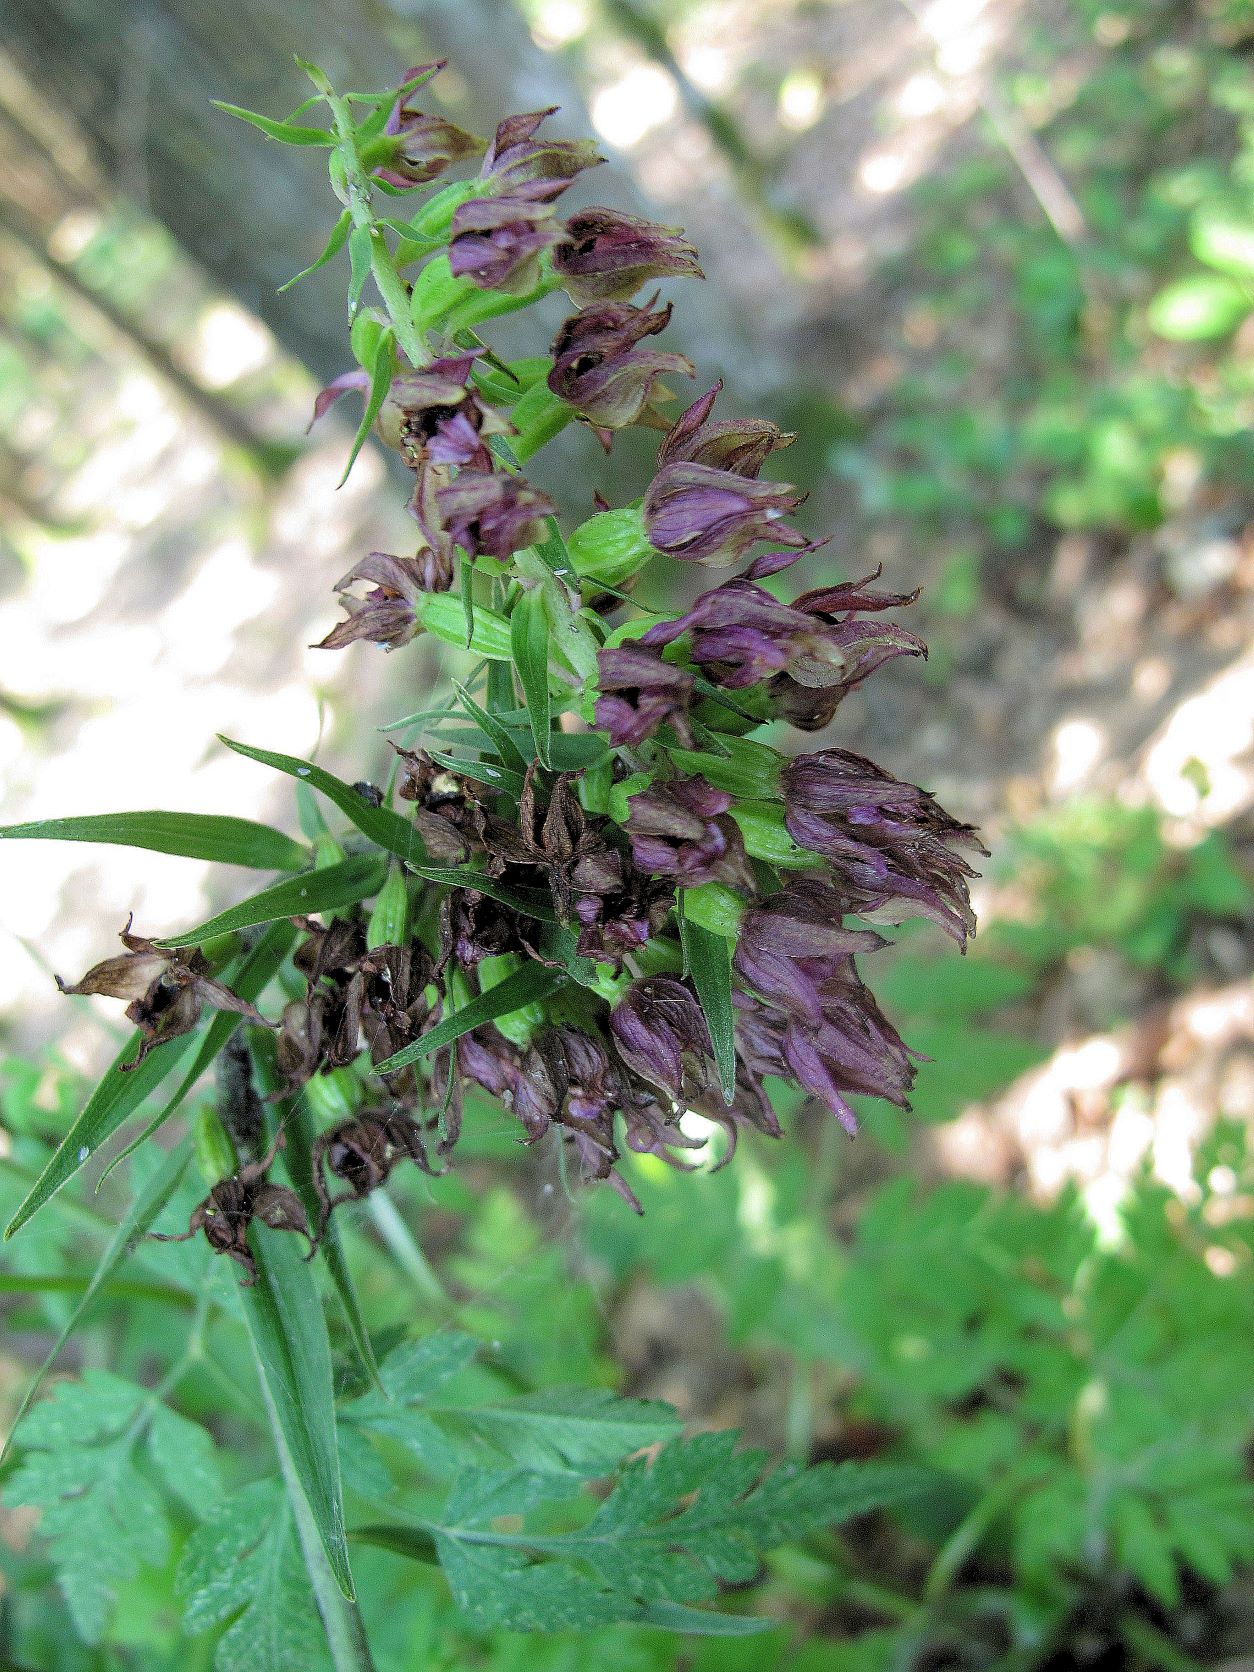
287	133
345	884
218	837
708	957
587	1431
283	1312
102	1517
699	1514
243	1565
534	982
143	1210
388	829
334	244
529	640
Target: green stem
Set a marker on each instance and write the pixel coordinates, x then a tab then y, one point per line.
341	1619
360	206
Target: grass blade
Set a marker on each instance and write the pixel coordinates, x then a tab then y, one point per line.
334	886
709	961
283	1313
529	639
228	841
380	824
525	986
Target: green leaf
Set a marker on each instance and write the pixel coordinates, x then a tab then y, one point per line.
708	957
255	971
243	1565
283	1312
382	365
501	738
313	891
529	639
102	1515
703	1622
334	244
483	772
538	416
1224	240
528	901
380	824
1198	308
143	1210
587	1431
226	840
295	1117
119	1093
287	133
533	982
698	1515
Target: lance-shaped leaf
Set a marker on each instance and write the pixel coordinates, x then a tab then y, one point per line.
287	133
483	772
143	1210
526	900
529	638
214	836
283	1312
119	1093
525	986
313	891
501	738
334	244
708	957
380	824
382	365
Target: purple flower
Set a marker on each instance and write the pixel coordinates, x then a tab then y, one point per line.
516	158
704	505
640	693
442	418
739	445
491	512
815	649
599	369
338	386
387	615
497	241
424	145
853	1048
605	255
890	844
791	944
661	1034
683	830
807	1015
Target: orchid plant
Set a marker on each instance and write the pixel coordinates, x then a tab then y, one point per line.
591	892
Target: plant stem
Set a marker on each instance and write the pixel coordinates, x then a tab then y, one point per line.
359	202
341	1619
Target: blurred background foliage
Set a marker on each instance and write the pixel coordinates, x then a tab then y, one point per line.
994	260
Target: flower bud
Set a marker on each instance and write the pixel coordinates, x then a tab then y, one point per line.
610	547
715	907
